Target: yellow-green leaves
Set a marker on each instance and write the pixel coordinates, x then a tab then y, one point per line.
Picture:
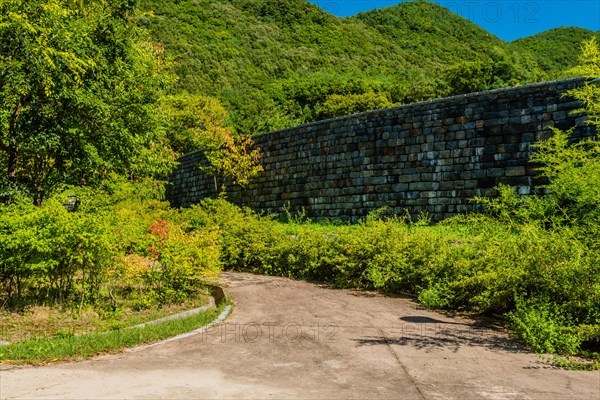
589	60
78	95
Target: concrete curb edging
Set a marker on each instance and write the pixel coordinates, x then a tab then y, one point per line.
181	315
218	297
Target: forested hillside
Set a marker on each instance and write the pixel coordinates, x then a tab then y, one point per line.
557	49
276	63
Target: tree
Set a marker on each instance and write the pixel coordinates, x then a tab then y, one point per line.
573	167
337	105
233	156
589	94
502	69
78	91
198	122
192	118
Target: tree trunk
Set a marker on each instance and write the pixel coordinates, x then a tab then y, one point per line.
12	164
38	198
39	179
11	148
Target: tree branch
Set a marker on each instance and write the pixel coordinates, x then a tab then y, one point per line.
10	149
14	116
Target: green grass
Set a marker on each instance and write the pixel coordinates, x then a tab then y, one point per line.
45	351
47	322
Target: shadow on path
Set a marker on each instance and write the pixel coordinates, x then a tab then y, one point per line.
431	334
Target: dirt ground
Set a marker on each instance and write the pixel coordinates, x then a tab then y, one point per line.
289	339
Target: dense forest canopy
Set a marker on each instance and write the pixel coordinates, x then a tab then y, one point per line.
78	88
556	49
276	63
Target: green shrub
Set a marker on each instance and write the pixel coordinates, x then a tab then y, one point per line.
98	252
180	261
436	296
51	254
544	328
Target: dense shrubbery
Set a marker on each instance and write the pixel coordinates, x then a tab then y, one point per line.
112	249
49	253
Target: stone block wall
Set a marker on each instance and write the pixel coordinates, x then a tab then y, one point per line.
432	156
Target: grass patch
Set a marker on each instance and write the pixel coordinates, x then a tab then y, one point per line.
43	322
71	348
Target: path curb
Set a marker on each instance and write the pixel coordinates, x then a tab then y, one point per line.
218	297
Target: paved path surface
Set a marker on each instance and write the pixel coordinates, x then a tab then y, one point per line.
290	339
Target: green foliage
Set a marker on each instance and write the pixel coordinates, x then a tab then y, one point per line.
544	329
337	105
180	261
555	50
192	121
77	93
502	69
110	249
51	254
589	95
557	305
232	157
274	64
573	170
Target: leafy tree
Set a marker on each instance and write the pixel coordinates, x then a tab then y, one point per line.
413	85
589	67
232	156
198	122
337	105
191	120
78	88
500	70
467	77
574	167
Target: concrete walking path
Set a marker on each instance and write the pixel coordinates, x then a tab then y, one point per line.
291	339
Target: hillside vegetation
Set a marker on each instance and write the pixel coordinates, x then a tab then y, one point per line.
557	49
276	63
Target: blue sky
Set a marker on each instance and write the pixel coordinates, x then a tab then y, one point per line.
509	20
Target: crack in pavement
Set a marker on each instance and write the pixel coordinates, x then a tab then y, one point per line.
401	364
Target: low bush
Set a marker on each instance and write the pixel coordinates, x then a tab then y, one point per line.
118	246
50	254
